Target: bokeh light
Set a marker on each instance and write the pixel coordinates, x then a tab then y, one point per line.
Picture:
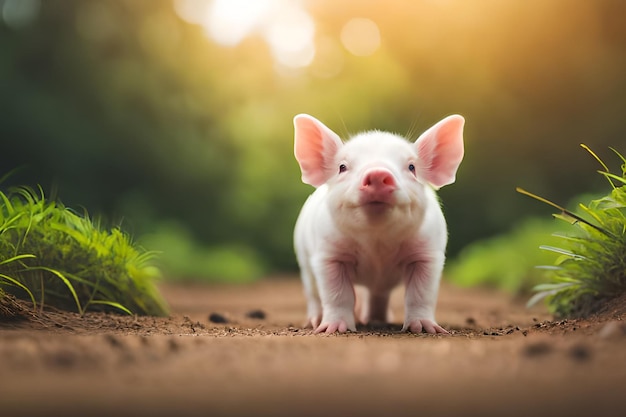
285	25
19	13
329	58
290	36
230	21
193	11
360	36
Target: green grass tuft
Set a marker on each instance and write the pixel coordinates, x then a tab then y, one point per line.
50	255
590	267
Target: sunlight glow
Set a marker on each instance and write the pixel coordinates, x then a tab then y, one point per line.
290	36
329	58
360	36
192	11
230	21
284	25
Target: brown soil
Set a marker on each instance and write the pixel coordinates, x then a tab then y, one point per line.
501	359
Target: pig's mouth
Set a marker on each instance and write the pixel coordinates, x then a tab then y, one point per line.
376	209
376	206
378	199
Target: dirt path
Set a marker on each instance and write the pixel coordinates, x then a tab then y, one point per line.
501	360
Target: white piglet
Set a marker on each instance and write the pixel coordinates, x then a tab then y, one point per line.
374	221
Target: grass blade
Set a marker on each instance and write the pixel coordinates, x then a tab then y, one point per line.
112	304
613	176
564	211
17	283
592	153
561	251
17	258
67	283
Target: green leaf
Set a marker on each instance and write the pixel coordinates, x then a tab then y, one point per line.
549	267
112	304
553	286
17	258
17	283
7	203
613	176
67	283
561	251
538	297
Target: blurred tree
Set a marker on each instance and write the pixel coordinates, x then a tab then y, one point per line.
132	111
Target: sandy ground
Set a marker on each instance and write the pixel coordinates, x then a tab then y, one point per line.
500	360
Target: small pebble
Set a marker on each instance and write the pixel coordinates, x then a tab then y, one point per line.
256	314
580	352
173	345
537	349
217	318
113	341
64	359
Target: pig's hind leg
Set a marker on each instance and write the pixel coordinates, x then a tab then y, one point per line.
361	306
314	306
372	306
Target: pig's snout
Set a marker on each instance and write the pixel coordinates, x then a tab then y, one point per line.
379	179
377	186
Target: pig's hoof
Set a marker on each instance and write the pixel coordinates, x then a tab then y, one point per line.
428	326
312	323
340	326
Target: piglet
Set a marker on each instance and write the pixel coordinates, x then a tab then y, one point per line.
374	221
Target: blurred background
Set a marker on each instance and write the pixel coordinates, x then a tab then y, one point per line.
173	118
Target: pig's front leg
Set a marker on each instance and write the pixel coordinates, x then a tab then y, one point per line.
314	307
336	291
422	286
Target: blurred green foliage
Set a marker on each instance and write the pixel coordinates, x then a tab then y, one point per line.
511	260
507	261
183	258
130	111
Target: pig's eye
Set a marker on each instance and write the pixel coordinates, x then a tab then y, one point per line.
412	168
342	168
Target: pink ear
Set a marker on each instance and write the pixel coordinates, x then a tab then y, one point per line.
440	150
315	148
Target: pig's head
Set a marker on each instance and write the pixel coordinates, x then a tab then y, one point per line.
376	172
